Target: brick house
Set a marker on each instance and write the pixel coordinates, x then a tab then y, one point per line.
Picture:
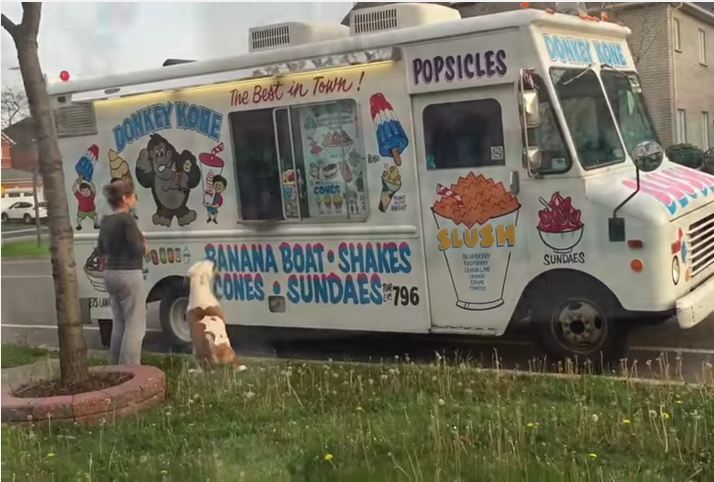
673	47
19	157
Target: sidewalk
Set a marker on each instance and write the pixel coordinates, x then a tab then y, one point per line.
39	370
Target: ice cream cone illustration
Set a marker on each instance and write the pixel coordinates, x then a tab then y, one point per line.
328	201
391	138
391	183
119	167
337	201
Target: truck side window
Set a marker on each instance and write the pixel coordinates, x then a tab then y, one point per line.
300	162
464	134
257	171
548	135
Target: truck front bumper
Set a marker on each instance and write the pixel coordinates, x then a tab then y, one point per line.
697	305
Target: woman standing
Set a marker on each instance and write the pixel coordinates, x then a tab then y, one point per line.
123	246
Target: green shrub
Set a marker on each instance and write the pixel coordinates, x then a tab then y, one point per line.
686	155
708	161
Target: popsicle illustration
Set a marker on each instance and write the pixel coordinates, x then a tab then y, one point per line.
391	138
85	165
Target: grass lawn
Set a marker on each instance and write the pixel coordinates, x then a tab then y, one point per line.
26	249
16	355
316	421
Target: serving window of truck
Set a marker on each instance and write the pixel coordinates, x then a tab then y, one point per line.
300	163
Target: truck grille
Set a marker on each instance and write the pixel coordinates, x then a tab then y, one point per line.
701	243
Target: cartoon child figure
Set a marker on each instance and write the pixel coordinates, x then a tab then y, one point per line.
85	193
219	185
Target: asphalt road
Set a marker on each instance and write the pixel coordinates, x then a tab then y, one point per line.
28	315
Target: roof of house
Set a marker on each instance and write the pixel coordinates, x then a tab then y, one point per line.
6	139
15	175
22	132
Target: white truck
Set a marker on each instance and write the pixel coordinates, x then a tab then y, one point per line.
413	172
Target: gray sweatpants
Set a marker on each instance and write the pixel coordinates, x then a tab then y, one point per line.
126	294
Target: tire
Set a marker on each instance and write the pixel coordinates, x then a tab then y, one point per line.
172	313
27	219
5	218
577	319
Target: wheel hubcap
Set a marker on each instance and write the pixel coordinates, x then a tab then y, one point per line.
179	324
580	325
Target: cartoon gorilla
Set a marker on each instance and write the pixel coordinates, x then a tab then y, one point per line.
171	176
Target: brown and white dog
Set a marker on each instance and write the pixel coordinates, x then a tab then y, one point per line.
211	345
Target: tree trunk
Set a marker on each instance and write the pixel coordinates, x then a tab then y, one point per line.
73	349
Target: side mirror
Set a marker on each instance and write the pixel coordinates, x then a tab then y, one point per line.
647	156
531	108
534	158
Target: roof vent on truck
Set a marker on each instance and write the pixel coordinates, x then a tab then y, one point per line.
293	33
400	15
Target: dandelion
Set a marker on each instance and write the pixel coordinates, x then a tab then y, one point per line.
164	472
441	402
530	425
360	409
468	391
249	395
626	421
51	455
594	417
592	455
329	457
678	402
383	377
433	379
652	413
665	416
335	375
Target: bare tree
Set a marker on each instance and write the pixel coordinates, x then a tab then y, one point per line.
14	106
73	349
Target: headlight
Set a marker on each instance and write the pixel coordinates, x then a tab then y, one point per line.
675	270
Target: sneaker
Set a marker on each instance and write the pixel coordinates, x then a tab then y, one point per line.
79	228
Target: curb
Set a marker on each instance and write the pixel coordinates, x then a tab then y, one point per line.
146	389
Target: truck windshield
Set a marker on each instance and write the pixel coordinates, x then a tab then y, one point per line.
588	117
625	95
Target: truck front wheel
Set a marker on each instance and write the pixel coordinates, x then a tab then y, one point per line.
577	319
172	312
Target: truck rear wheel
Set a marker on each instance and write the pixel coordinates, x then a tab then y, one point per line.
577	319
172	312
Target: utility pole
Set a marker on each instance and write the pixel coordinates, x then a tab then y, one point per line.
37	208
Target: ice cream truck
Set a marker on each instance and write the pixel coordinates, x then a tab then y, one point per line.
411	172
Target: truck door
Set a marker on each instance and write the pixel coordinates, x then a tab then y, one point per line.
469	155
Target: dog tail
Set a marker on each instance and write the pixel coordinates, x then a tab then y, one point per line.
237	365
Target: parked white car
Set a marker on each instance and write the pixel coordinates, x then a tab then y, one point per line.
24	211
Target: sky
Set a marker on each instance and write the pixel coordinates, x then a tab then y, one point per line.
95	39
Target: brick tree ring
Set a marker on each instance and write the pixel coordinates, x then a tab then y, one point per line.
145	389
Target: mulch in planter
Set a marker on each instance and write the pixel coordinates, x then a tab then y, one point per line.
53	388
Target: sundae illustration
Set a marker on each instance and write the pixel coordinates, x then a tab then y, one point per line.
290	192
391	183
315	148
477	216
336	139
559	224
391	138
94	269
